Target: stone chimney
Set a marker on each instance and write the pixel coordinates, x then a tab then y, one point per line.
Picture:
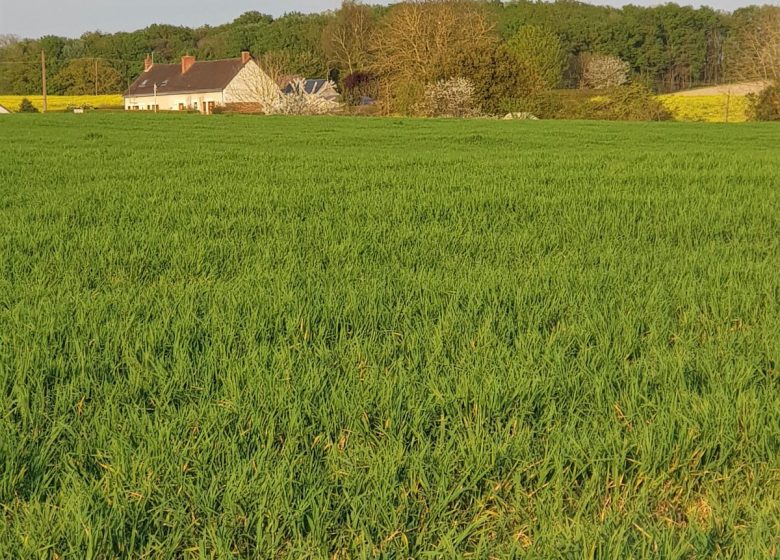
246	56
186	63
148	63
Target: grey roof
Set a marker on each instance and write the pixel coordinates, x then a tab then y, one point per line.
207	75
309	86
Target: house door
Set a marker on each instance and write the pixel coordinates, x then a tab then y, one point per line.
209	107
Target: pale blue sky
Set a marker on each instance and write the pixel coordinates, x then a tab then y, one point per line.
71	18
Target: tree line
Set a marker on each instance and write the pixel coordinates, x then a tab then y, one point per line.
506	49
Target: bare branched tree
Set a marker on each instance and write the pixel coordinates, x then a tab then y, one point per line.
347	38
421	42
275	64
253	89
422	39
756	54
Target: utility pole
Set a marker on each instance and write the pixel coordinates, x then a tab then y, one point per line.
43	79
96	76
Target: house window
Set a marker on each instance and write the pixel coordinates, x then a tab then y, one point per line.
195	105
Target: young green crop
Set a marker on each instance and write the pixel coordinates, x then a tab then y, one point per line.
358	338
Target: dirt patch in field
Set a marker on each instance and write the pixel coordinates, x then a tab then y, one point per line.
743	88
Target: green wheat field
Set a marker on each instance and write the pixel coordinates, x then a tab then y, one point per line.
336	338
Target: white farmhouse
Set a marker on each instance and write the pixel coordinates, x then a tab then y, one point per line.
199	86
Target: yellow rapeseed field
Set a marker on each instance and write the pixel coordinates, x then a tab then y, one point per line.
62	102
706	108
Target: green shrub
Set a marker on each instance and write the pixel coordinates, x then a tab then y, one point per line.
406	97
498	77
551	104
26	106
766	105
539	54
632	102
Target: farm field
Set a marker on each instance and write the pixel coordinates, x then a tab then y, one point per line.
719	108
63	102
337	338
711	106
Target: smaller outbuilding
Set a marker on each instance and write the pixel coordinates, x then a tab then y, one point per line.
4	111
321	88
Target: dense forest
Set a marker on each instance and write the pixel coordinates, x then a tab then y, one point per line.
666	47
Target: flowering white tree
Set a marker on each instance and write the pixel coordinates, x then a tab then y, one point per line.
455	97
300	102
600	71
261	92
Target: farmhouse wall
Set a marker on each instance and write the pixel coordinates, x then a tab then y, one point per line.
251	85
172	102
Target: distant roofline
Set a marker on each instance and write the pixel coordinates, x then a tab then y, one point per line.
198	61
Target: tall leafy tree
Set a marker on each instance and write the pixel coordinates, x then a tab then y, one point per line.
539	55
497	75
87	77
20	70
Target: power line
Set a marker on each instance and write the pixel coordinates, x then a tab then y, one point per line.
89	58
